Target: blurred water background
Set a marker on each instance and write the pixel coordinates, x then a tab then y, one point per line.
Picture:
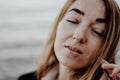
24	25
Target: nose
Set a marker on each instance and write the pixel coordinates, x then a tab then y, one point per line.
80	35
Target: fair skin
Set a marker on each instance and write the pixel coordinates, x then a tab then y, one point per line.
112	69
79	33
79	36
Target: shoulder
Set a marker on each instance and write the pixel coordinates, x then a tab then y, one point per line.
28	76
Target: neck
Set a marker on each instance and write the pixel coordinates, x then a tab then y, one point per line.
63	71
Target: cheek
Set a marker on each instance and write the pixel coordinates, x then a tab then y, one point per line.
60	30
91	56
94	47
63	31
60	37
95	53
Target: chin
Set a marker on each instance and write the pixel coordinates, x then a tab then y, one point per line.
71	65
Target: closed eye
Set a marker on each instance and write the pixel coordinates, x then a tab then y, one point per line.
73	21
100	34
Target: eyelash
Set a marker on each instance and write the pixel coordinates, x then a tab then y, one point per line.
98	33
72	21
76	22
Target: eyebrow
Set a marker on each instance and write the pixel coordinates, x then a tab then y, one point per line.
100	20
78	11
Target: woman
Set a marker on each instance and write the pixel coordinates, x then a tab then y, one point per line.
83	43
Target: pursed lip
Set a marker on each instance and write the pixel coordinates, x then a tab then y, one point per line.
72	48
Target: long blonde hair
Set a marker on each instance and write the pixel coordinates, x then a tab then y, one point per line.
108	50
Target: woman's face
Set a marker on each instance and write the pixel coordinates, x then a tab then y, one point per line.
79	33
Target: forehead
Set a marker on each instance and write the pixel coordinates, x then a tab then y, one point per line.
94	7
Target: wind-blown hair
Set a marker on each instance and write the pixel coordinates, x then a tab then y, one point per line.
107	51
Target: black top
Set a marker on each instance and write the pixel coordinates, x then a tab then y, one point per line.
28	76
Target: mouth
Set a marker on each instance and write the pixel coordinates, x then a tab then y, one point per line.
74	49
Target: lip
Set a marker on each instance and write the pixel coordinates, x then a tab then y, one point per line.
73	50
